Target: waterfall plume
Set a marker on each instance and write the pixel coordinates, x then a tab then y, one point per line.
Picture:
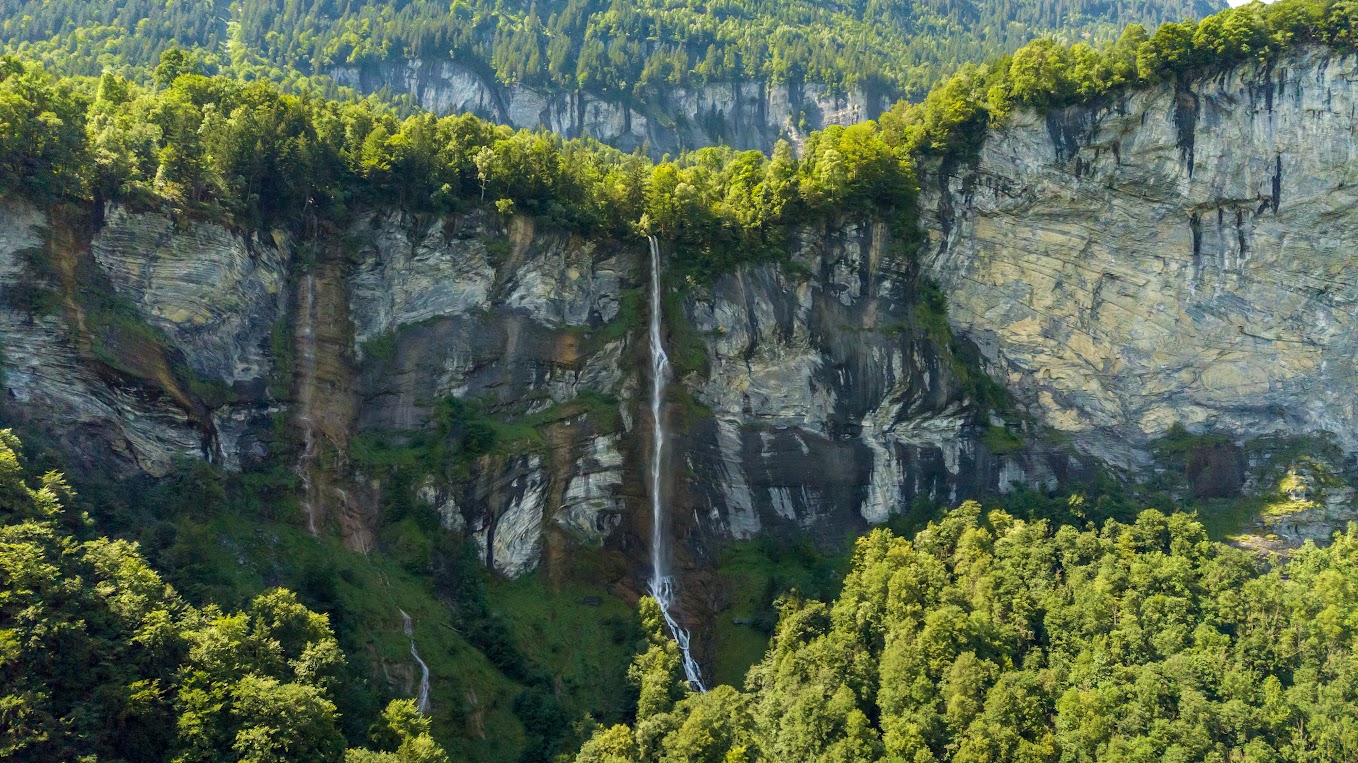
662	585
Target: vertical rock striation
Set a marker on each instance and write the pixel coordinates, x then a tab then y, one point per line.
1176	255
830	405
1181	254
820	402
744	115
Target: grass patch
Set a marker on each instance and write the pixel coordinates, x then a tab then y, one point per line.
581	635
687	350
629	317
464	430
964	360
1000	440
280	351
1227	518
690	410
213	392
1178	441
380	348
755	575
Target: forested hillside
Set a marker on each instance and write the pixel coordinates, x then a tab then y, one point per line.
225	146
246	152
989	639
100	659
261	156
623	49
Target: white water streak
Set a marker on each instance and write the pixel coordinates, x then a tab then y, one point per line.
662	585
421	704
307	355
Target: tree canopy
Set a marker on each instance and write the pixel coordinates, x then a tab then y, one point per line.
100	659
628	50
952	119
988	638
264	158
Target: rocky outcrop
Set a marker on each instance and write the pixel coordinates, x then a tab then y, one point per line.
215	293
745	115
55	380
826	404
816	401
1181	254
519	323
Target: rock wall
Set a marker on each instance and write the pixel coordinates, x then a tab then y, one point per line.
1181	254
811	398
53	383
1175	256
827	407
745	115
215	293
517	320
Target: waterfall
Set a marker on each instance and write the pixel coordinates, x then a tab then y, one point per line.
306	340
421	704
662	585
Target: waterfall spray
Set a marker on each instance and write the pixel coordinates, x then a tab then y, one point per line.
662	585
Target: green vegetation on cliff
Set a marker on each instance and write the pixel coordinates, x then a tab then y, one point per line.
514	665
219	146
224	146
1044	75
627	50
1002	639
997	639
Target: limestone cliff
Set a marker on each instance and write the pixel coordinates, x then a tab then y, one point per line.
744	115
810	396
826	406
1177	255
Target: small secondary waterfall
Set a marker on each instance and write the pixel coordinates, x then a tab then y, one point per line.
662	585
306	340
421	704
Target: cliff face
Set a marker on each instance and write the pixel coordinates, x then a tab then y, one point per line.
827	408
744	115
1181	255
1177	256
808	401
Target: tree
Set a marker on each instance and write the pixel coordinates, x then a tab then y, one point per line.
405	729
99	658
174	63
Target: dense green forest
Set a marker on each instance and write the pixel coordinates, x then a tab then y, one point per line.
997	639
627	49
222	147
100	659
981	639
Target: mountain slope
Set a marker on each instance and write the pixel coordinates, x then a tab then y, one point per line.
654	63
586	43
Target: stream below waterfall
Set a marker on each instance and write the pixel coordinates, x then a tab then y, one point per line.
422	703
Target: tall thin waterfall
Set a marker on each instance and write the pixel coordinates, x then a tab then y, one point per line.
306	342
662	585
